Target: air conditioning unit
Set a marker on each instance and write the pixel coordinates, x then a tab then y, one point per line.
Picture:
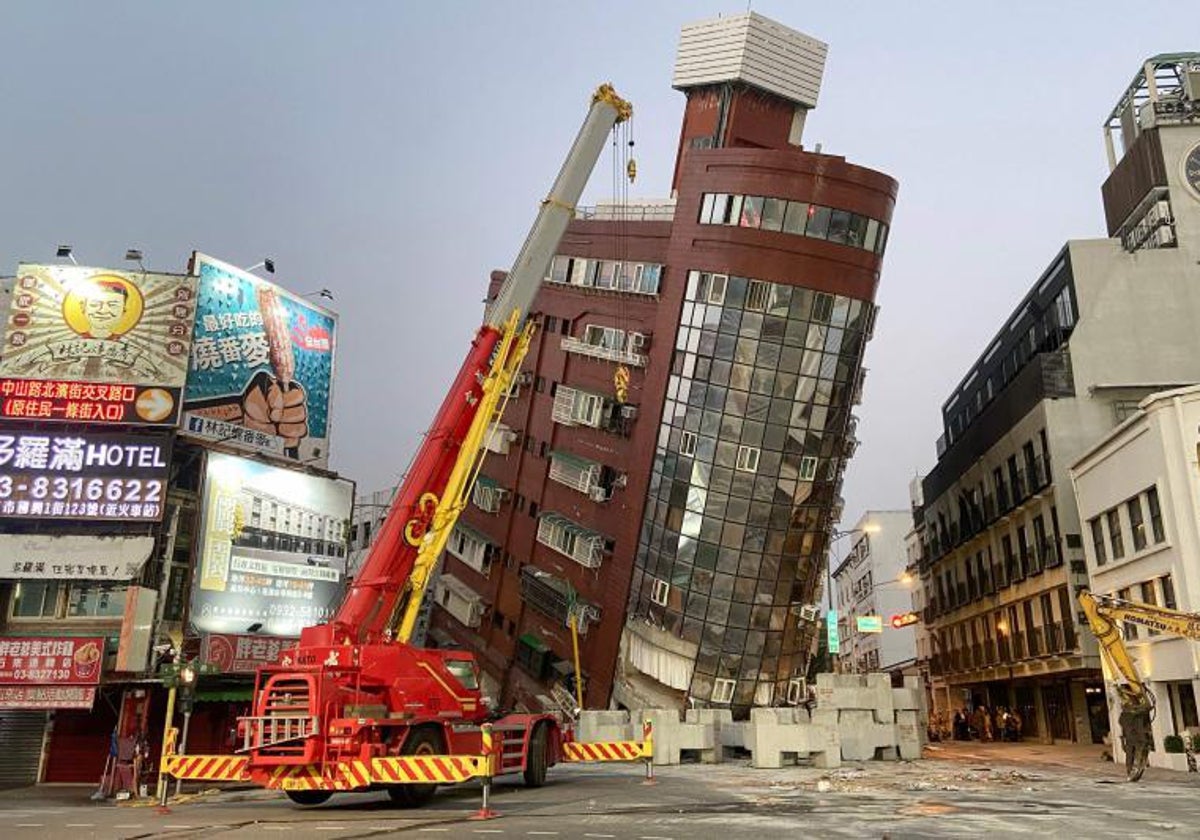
525	378
809	612
621	480
629	412
598	494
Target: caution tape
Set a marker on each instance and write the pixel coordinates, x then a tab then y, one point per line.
606	750
339	775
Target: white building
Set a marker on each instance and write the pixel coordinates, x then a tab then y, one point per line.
370	509
871	583
1138	492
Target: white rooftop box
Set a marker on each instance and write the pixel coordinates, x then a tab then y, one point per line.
751	49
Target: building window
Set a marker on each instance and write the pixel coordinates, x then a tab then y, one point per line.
1156	524
35	599
687	444
1137	525
577	408
1114	533
1098	541
1128	629
747	458
822	308
1149	597
1168	592
723	690
659	592
757	293
1187	705
714	292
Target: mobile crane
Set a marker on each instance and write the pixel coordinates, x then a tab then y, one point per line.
1137	702
354	690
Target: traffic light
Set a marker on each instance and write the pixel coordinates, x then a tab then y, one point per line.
187	688
902	620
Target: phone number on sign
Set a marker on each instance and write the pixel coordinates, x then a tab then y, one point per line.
126	490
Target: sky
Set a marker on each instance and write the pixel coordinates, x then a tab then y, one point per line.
395	153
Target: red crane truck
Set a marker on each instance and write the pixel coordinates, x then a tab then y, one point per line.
353	694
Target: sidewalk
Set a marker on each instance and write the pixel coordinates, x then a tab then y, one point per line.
1083	759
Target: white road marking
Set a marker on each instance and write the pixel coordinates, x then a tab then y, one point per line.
489	831
430	829
329	827
542	833
276	827
30	825
89	825
129	825
168	826
600	835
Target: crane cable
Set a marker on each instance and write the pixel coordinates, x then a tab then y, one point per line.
623	167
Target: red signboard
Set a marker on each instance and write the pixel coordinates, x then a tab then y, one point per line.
46	697
50	661
241	654
87	402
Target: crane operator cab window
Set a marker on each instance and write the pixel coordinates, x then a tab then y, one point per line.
464	670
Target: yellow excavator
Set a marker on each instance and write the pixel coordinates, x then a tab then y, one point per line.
1104	615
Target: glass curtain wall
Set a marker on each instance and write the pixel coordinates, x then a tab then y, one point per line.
746	473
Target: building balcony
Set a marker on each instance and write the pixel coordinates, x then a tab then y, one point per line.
575	472
458	599
571	540
626	355
487	495
554	598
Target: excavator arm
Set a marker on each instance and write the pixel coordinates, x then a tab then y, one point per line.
1104	614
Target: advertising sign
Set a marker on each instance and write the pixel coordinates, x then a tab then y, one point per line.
272	554
50	660
831	632
869	623
241	654
261	366
83	475
71	557
46	697
126	334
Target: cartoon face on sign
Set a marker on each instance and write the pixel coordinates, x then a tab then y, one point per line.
104	306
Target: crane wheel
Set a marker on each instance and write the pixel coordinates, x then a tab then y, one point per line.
309	797
418	742
536	759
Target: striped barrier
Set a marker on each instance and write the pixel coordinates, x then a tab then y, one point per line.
642	750
207	768
419	769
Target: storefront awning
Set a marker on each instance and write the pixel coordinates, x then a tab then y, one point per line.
533	641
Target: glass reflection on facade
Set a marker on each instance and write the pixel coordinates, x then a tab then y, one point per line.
746	473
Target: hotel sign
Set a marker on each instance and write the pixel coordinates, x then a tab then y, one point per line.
83	475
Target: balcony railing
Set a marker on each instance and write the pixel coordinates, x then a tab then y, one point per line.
1035	642
989	651
602	351
1003	650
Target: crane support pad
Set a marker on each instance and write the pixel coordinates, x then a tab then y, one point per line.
208	768
606	750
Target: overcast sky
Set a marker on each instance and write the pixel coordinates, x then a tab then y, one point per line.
395	152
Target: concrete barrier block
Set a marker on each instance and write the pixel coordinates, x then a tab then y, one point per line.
770	736
725	733
672	737
863	738
606	725
906	699
908	735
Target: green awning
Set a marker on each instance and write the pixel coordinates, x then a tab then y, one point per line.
573	460
533	642
570	526
484	481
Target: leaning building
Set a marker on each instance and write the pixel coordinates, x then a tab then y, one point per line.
683	518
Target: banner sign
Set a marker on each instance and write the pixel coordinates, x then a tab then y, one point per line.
83	475
261	366
50	660
74	402
46	697
72	557
831	632
70	324
241	654
272	553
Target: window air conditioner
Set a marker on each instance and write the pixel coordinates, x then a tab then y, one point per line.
598	494
629	412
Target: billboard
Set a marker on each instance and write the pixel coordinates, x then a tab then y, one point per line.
272	553
96	345
261	366
89	476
